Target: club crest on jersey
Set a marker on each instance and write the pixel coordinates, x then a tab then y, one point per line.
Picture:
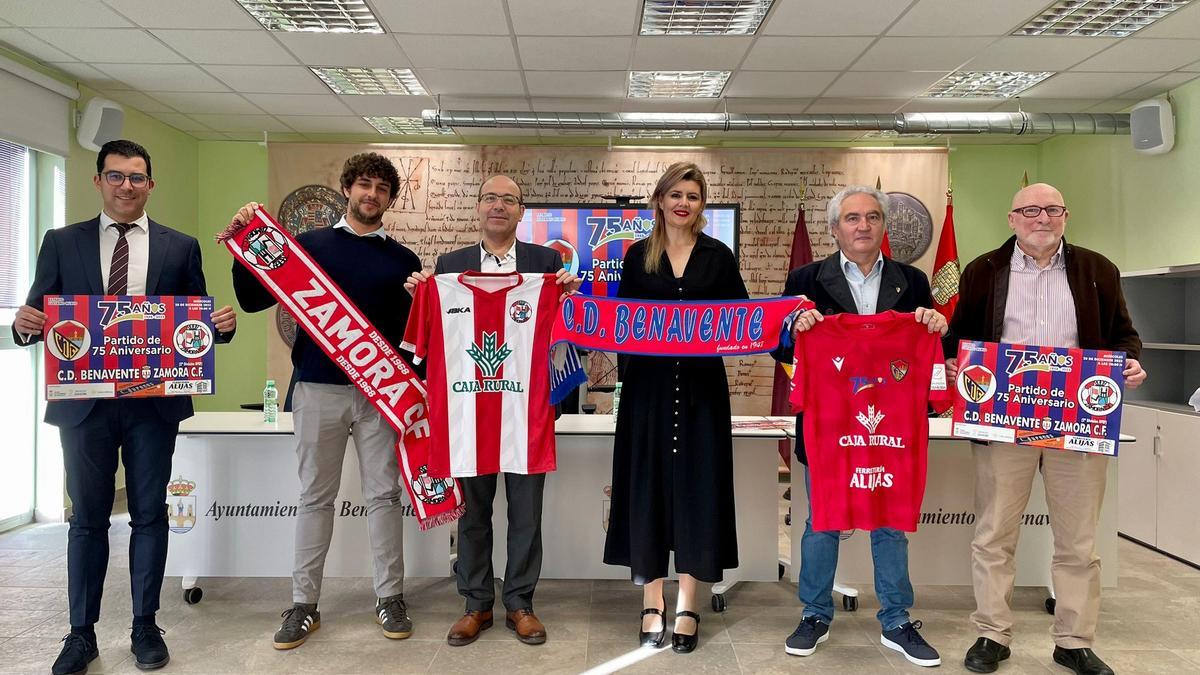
858	383
265	248
69	340
976	383
520	311
899	369
431	490
1099	395
1022	360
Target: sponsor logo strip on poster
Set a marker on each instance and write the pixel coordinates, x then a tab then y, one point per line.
1050	397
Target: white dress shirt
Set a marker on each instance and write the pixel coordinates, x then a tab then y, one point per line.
343	225
1039	309
490	262
139	252
865	289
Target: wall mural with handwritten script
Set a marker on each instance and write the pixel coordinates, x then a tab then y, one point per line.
435	209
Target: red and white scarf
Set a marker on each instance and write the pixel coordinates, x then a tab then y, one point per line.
350	340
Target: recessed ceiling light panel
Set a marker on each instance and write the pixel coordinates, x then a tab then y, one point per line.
1098	18
985	84
703	17
314	16
658	133
371	81
677	83
409	126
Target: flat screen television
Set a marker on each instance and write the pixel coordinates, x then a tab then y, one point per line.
593	238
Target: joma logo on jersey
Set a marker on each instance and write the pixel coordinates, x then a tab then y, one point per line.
459	310
116	311
1022	360
613	228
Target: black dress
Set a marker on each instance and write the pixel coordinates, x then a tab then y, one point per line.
672	484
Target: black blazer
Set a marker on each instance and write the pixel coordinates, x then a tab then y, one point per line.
902	287
69	264
531	259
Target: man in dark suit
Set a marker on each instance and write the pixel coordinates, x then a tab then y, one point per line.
858	279
119	252
500	207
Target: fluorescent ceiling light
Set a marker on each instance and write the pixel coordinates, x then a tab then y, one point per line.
408	126
657	133
316	16
371	81
703	17
892	133
677	83
1098	18
985	84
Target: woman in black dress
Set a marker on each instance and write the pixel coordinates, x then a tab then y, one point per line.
672	485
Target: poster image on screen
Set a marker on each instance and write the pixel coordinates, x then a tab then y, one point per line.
593	238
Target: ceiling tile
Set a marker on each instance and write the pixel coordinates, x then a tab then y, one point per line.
474	103
186	13
338	49
230	123
1192	68
793	106
1160	86
821	17
679	52
574	17
920	53
1090	85
672	105
325	124
88	75
21	41
299	104
136	100
193	102
576	83
776	83
1182	23
868	106
181	122
1114	105
457	51
888	85
576	105
950	17
245	47
806	53
117	45
933	105
388	106
1050	105
83	13
158	77
1134	55
463	17
1034	54
208	135
472	82
575	53
269	79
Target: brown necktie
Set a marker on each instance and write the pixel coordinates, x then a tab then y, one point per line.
118	271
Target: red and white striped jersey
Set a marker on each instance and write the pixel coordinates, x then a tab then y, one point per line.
485	339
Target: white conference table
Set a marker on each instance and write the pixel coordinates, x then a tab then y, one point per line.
244	491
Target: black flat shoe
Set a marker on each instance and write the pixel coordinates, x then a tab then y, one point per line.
686	643
653	639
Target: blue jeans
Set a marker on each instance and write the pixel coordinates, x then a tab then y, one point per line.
818	563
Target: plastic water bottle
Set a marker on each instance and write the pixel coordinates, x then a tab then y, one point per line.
616	400
270	403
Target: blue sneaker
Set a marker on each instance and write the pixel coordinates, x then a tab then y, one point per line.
906	640
804	640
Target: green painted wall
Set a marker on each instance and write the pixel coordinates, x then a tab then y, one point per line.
231	174
984	178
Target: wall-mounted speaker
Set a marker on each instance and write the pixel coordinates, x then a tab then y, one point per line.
1152	126
99	123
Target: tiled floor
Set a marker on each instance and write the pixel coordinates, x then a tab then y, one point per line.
1149	624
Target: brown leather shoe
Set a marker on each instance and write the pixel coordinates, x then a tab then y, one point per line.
529	630
467	629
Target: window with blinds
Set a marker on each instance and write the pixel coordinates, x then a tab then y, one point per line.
14	224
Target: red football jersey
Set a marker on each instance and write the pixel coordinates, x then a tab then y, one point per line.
486	340
863	384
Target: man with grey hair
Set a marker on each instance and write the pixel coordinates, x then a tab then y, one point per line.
858	279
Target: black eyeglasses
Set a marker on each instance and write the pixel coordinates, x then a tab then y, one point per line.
1035	211
116	178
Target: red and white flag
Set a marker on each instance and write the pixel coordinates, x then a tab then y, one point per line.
945	266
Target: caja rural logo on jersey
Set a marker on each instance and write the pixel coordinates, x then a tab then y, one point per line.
489	356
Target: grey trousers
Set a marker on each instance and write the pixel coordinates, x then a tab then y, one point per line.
476	579
324	416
